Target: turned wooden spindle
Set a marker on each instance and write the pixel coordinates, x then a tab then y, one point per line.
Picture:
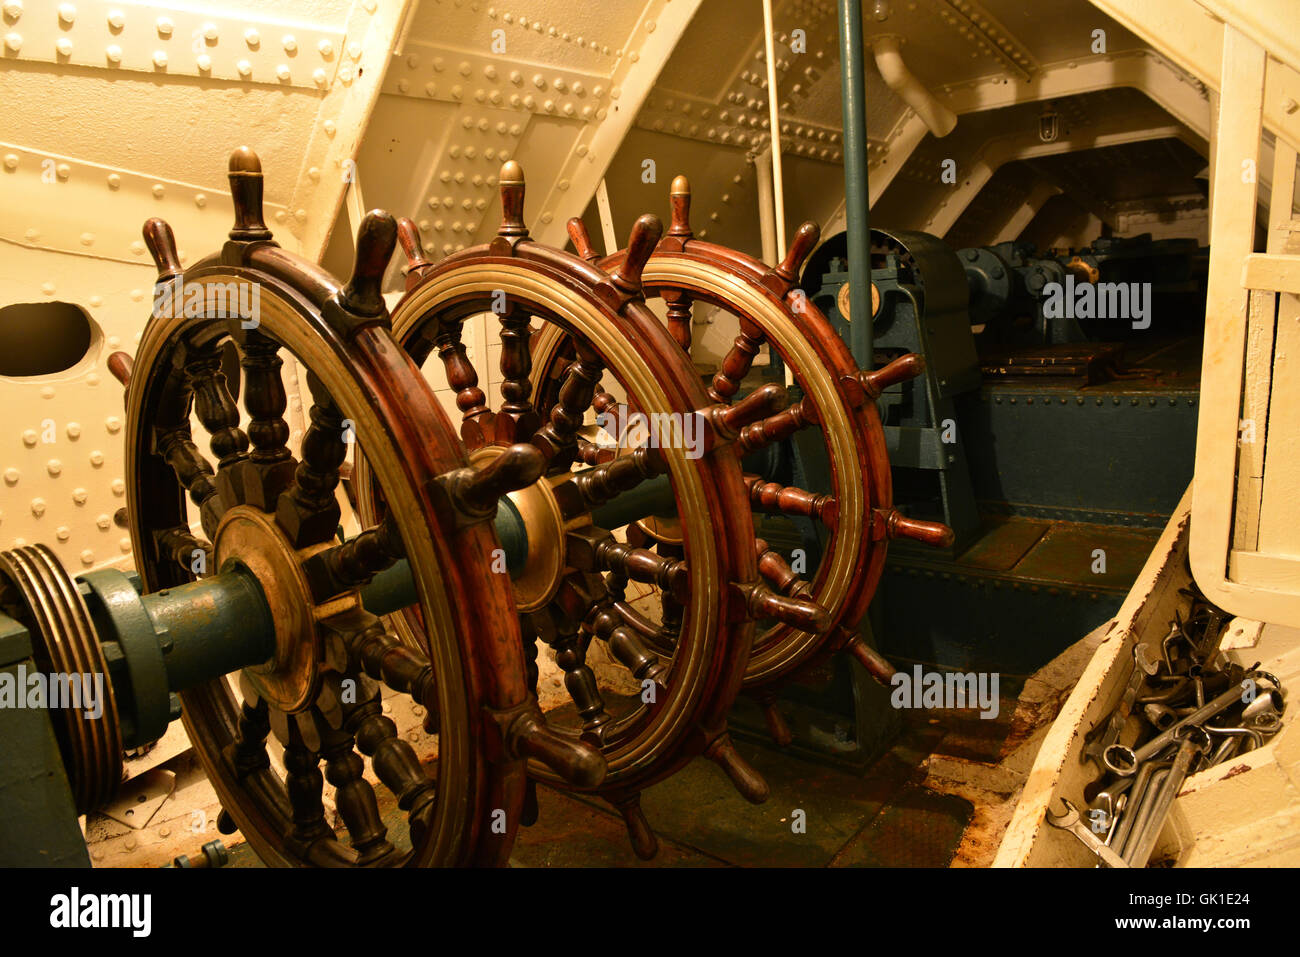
308	510
895	524
119	364
576	762
248	751
801	613
354	797
679	317
182	546
679	198
271	465
774	498
512	225
581	239
215	407
194	472
762	402
851	643
777	727
409	237
476	490
516	419
905	367
384	658
161	243
394	760
376	240
581	381
646	232
737	362
748	782
622	474
246	190
356	561
642	565
644	843
606	623
776	428
786	274
589	453
776	570
579	680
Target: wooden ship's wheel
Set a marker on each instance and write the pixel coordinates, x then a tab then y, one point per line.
270	520
676	706
856	511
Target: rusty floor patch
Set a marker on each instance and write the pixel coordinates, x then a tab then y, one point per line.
918	828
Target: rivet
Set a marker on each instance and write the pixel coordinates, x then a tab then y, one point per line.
63	171
13	9
63	533
11	161
165	27
325	48
67	13
38	507
88	558
300	215
158	190
11	476
54	467
329	128
63	46
204	62
30	438
13	42
244	67
289	43
282	73
118	487
96	458
79	496
252	38
87	239
114	53
210	32
124	543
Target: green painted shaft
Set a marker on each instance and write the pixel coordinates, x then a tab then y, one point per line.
857	195
211	627
223	623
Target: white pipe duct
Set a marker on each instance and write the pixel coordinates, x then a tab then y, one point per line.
766	206
937	118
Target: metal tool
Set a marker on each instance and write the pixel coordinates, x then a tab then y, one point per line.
1124	760
1193	742
1072	822
1143	667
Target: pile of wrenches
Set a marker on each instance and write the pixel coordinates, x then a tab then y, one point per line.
1192	709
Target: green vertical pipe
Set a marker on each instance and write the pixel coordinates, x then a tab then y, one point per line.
857	195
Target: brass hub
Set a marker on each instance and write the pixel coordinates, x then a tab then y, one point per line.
250	537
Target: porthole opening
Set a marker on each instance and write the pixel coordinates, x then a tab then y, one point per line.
43	338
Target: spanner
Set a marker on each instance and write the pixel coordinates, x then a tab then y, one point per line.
1072	822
